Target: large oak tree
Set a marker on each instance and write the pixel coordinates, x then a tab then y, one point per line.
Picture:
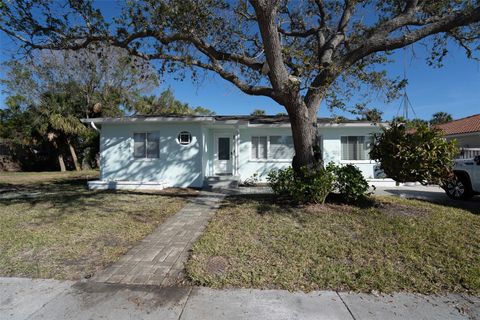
298	53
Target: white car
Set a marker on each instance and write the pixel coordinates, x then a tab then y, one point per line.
467	179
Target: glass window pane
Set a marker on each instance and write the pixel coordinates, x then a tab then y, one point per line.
355	148
262	148
184	138
259	147
223	148
254	154
344	141
139	145
152	145
281	147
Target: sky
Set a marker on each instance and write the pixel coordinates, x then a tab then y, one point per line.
454	88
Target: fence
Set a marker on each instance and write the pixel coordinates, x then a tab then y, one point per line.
468	153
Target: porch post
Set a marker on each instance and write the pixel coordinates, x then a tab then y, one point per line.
237	150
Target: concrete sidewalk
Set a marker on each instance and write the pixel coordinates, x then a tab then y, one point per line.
51	299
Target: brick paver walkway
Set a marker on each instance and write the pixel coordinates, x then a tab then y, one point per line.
159	258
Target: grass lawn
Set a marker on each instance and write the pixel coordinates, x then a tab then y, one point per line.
59	229
394	245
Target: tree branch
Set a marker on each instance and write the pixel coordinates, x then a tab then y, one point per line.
265	13
379	41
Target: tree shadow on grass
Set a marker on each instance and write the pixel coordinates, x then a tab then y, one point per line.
70	195
472	205
265	203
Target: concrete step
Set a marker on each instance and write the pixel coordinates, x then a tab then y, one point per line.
222	178
221	182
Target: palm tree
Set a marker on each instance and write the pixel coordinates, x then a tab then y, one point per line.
441	118
59	122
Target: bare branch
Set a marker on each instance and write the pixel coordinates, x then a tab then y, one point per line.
380	41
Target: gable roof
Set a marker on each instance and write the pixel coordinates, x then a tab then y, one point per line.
469	124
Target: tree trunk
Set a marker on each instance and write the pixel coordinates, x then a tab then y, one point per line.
61	162
305	136
74	156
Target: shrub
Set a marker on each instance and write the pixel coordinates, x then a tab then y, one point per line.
349	182
421	154
307	186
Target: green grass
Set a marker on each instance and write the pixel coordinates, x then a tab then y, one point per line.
395	245
64	231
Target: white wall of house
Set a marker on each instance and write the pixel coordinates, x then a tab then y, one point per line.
187	165
332	148
177	165
249	166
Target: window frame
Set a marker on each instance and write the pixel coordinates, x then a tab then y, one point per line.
180	134
266	147
267	159
366	161
146	157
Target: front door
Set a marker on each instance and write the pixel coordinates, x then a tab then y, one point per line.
223	155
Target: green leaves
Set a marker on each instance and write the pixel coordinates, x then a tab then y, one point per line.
349	182
421	154
307	186
166	104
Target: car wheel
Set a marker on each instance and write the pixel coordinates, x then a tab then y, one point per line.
458	188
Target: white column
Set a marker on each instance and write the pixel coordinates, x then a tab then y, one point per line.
237	150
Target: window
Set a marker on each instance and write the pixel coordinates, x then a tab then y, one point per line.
184	138
259	147
272	147
281	147
355	148
146	145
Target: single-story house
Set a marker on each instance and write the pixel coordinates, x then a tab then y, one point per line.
152	152
466	131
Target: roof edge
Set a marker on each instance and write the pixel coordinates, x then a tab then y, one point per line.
250	121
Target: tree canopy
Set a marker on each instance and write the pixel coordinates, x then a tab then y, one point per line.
440	118
167	104
298	53
103	79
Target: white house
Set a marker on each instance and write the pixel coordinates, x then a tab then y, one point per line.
152	152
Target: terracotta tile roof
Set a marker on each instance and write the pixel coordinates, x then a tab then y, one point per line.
460	126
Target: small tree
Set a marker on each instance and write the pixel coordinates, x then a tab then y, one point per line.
258	112
441	118
167	104
408	155
373	115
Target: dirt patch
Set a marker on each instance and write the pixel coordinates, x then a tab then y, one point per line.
328	208
397	209
178	192
217	265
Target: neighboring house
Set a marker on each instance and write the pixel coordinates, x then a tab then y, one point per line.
466	132
150	152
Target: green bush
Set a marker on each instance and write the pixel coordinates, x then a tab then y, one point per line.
349	182
407	155
307	186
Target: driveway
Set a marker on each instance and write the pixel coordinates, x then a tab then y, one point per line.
51	299
433	194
